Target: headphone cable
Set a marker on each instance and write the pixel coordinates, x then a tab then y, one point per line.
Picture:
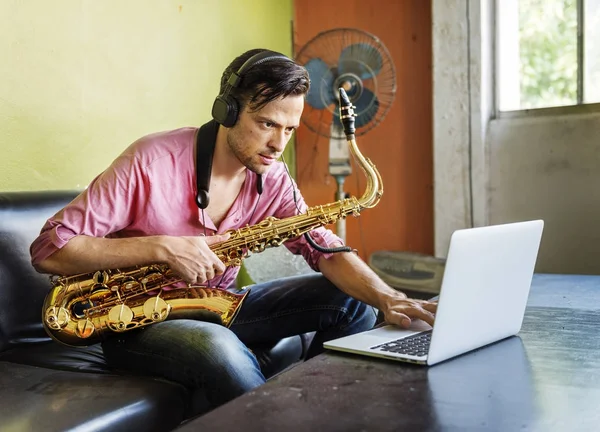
306	235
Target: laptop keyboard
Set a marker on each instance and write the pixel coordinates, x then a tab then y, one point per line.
415	345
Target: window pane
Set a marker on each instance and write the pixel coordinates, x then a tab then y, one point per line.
591	53
537	41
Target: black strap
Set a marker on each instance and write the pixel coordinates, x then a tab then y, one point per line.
206	140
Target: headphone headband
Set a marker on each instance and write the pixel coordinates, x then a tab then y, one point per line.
259	58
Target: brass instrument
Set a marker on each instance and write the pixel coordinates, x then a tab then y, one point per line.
83	309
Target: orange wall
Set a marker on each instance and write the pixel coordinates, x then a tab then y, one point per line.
401	146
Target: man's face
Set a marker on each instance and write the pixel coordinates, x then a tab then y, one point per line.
258	138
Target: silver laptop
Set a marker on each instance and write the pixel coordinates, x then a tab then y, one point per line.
482	298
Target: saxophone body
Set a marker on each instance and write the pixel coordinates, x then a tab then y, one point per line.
84	309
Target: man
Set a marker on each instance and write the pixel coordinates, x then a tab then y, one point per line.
147	208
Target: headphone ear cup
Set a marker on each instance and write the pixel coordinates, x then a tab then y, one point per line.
225	110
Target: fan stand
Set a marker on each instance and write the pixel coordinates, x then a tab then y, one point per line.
339	168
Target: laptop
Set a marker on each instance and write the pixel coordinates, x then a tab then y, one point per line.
482	299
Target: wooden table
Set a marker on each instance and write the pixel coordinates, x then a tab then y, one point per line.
545	379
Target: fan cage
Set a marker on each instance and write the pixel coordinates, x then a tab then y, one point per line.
328	46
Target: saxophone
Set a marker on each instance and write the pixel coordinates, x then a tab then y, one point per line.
84	309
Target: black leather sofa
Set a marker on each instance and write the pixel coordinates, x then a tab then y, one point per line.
47	386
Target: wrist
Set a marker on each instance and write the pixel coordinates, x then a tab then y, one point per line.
159	249
390	297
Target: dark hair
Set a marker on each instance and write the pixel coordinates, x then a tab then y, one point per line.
266	81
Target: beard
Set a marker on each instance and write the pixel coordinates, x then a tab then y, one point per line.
237	147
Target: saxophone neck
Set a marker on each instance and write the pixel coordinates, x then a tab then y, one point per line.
374	189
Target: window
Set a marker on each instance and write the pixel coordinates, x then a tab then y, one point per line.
548	53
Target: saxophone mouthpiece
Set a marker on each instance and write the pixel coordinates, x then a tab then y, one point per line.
347	114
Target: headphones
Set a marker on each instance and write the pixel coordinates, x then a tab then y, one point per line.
226	107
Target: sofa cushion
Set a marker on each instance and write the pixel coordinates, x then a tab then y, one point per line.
22	289
57	356
53	400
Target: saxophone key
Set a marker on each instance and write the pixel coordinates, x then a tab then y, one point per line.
130	286
57	317
156	309
101	277
119	317
85	328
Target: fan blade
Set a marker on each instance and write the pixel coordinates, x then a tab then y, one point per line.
321	94
367	106
360	59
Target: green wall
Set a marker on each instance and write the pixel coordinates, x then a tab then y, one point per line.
81	79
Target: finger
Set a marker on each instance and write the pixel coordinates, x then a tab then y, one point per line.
416	311
399	318
200	279
425	315
210	274
217	238
219	268
429	306
185	276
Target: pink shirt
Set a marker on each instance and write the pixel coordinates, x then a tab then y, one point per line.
150	189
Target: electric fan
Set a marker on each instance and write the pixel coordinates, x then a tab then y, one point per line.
359	63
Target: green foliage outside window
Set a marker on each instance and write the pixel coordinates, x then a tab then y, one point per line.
548	52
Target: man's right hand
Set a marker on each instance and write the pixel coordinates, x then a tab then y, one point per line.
192	259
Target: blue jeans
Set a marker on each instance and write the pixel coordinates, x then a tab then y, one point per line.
212	359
